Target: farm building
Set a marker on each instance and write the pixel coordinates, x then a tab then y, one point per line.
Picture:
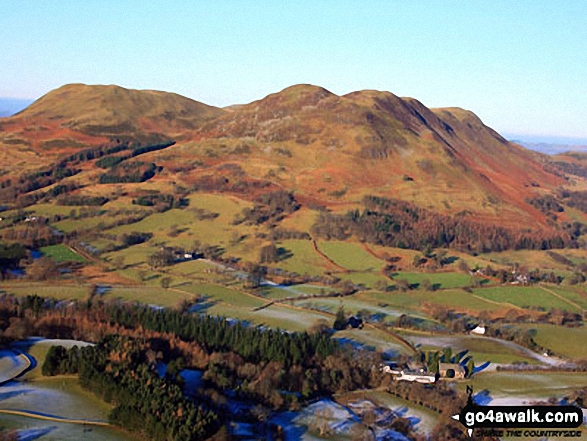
451	370
478	330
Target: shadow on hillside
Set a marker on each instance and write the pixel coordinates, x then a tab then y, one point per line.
33	434
202	305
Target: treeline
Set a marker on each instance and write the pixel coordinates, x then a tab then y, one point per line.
81	200
547	204
130	172
162	202
17	189
400	224
120	370
218	335
272	206
265	365
236	184
575	199
571	168
10	256
136	150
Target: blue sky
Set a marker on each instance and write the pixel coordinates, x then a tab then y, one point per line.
520	65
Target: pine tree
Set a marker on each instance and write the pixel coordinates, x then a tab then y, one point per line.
340	321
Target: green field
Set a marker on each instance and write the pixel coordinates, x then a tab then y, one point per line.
61	253
481	348
524	296
372	339
350	256
367	279
575	295
568	342
438	280
60	292
528	384
303	259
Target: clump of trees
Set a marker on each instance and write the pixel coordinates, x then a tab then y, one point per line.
270	207
118	370
130	172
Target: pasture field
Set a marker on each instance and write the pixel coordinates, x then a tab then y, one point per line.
528	258
303	259
481	348
365	278
572	294
456	299
524	297
372	339
561	340
301	220
47	210
151	295
182	227
394	299
533	385
66	396
32	429
131	256
61	253
274	316
217	293
438	280
194	269
157	223
350	256
59	292
358	303
426	418
89	223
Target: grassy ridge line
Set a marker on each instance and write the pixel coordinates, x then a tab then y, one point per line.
53	418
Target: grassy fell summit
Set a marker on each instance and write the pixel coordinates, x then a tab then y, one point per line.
77	116
114	110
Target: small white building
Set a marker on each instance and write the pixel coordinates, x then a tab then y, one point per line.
479	330
417	377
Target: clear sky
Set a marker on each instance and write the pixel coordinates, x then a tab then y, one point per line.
521	65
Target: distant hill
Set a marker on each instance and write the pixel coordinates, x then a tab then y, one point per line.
10	106
551	148
114	110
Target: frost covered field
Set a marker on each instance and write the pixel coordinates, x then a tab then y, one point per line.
60	398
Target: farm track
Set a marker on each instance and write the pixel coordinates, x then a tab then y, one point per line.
511	305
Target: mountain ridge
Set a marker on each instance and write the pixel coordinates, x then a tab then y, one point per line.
327	148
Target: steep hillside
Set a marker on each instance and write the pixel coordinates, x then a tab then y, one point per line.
336	149
329	150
